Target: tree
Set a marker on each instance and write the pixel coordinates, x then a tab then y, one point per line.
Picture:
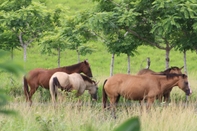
9	41
161	23
78	35
26	20
187	35
111	21
156	22
53	40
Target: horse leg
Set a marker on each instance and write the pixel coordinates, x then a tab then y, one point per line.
142	102
160	98
32	91
53	92
80	92
113	103
167	97
150	101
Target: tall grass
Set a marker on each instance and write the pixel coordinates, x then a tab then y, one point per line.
70	116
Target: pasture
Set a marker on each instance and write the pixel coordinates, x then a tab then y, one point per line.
80	114
83	115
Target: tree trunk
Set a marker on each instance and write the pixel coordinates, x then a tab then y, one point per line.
59	57
129	66
167	58
112	65
25	52
185	61
148	63
12	53
78	55
24	45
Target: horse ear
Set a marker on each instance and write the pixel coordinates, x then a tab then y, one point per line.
86	61
97	82
181	68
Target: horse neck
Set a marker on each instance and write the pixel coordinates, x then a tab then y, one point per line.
168	83
70	69
88	85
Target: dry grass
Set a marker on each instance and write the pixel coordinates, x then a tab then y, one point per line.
73	116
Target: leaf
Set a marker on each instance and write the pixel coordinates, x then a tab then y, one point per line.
11	67
132	124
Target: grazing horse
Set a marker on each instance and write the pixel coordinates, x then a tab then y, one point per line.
40	77
140	87
74	81
166	93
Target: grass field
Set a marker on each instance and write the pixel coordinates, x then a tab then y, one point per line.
72	115
90	117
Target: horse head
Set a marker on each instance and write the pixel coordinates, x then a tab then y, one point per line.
184	84
94	91
86	68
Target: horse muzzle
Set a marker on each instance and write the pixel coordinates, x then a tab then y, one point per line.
94	97
188	92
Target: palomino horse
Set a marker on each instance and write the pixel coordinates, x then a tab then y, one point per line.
140	87
40	77
166	93
74	81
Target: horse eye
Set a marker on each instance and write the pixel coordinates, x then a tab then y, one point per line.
186	83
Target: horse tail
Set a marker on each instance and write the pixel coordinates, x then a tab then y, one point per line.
55	83
26	89
104	95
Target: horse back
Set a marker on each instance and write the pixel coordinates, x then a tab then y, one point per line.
63	79
145	71
77	81
40	76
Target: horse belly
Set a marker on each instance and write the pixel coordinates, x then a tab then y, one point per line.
44	82
134	96
134	92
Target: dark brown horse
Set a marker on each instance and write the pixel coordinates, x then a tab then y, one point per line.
40	77
141	87
166	93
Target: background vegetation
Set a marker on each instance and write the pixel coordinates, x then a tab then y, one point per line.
71	115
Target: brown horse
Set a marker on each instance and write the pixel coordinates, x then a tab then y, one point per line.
166	93
140	87
40	77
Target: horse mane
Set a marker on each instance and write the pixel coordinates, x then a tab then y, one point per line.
172	75
86	78
72	66
167	71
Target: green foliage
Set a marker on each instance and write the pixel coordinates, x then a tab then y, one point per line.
131	124
113	25
3	102
11	68
24	22
78	35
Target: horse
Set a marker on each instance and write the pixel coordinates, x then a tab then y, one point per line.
166	93
74	81
40	77
140	87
